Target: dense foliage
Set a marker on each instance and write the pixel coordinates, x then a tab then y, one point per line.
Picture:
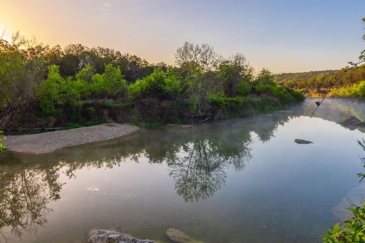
354	230
46	86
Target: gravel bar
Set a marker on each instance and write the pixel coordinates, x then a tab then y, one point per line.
51	141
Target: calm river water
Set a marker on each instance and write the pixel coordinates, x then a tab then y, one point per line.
239	180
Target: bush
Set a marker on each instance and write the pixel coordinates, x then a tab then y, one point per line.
296	95
56	90
354	230
244	88
2	147
360	89
109	84
221	101
157	85
48	91
356	90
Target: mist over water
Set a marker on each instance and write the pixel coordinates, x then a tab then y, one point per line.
238	180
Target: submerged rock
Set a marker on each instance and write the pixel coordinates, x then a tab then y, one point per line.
354	198
106	236
302	141
178	236
186	126
352	123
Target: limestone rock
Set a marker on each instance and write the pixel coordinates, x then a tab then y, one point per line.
106	236
302	141
352	123
178	236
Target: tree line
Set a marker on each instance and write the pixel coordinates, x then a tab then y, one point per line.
45	86
320	81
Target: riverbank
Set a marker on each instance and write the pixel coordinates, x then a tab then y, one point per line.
51	141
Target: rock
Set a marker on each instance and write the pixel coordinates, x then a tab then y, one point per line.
178	236
93	232
352	123
302	141
106	236
353	198
186	126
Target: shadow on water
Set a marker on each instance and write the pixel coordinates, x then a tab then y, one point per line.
197	160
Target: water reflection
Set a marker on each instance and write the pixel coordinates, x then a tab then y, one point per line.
197	158
24	196
197	161
335	110
199	169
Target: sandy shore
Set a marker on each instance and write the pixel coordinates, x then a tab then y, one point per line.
51	141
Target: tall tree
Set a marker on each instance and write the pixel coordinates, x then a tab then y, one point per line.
203	56
236	75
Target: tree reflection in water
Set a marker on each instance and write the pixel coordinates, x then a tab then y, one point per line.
199	168
197	159
197	172
24	197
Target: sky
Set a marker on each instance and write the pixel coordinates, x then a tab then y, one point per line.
281	35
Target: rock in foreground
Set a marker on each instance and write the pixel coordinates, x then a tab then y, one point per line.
106	236
302	141
180	237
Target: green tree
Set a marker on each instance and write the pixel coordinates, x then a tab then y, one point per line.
12	70
109	84
49	91
236	76
157	85
21	69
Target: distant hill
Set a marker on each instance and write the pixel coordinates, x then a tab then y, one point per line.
315	83
284	77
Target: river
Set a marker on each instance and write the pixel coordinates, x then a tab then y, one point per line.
237	180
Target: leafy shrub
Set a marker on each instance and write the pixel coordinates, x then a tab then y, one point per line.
296	95
220	101
109	84
353	231
48	91
12	72
360	89
2	147
56	90
356	90
282	94
244	88
156	85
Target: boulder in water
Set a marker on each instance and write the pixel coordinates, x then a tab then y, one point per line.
352	123
302	141
178	236
106	236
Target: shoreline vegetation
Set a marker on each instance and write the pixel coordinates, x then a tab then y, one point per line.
47	87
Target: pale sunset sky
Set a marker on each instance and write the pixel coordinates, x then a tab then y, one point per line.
281	35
